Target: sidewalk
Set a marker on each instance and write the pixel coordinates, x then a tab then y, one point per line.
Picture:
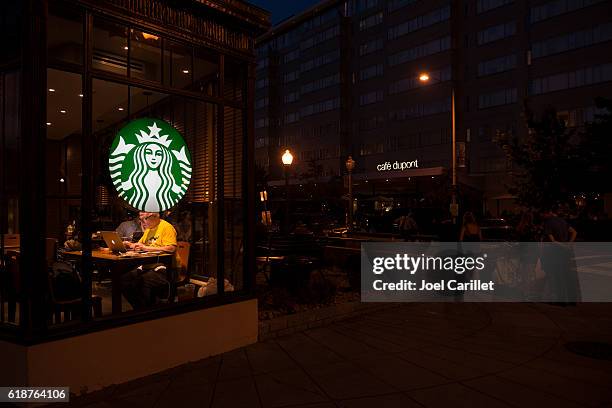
433	355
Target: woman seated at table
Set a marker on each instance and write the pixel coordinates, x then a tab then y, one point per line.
144	284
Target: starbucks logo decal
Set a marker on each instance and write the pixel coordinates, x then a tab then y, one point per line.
150	165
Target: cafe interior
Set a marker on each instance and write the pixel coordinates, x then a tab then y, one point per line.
82	72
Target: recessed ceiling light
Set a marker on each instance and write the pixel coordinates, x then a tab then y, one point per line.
80	95
62	110
185	71
51	90
126	48
119	108
61	180
48	123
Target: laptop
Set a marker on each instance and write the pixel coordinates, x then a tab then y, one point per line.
113	241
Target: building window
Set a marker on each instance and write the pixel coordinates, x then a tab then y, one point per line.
496	32
373	122
371	46
573	79
291	97
363	5
426	20
321	19
262	102
572	41
319	38
262	123
371	72
486	5
292	117
370	21
262	83
421	110
320	61
263	63
393	5
320	107
291	76
430	48
558	7
497	98
370	98
321	83
497	65
291	56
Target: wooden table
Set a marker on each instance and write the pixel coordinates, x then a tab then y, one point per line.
118	265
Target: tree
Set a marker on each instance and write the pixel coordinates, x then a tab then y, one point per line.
548	162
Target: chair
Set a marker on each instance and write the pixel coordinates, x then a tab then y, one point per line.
179	275
64	290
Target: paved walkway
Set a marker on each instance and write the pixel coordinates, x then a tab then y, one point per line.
432	355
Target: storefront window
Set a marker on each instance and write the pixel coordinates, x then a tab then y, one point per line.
145	55
65	45
110	47
10	155
178	67
206	72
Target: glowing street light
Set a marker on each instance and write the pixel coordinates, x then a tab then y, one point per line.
287	159
424	77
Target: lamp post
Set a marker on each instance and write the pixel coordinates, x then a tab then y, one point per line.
350	165
287	159
424	77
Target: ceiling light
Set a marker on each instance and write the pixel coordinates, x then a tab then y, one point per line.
61	180
48	123
119	108
185	71
62	110
80	95
126	48
51	90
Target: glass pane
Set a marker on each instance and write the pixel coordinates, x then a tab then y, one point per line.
110	106
110	47
235	79
145	56
178	70
10	155
63	189
10	24
206	72
65	45
233	194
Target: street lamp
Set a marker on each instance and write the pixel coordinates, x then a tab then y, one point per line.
287	159
350	165
424	77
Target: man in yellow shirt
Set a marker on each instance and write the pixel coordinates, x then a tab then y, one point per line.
142	285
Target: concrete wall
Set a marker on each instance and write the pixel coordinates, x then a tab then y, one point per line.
95	360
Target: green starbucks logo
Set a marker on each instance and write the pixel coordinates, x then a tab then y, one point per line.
150	165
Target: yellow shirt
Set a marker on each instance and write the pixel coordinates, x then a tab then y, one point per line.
162	235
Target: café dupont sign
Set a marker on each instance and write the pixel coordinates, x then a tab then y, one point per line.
398	165
150	165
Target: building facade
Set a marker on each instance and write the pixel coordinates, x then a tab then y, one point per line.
75	78
343	79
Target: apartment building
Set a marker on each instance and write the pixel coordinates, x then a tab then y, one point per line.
343	78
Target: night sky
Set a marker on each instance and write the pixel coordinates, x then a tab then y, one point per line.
282	9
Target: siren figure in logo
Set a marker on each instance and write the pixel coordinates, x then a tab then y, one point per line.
150	181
